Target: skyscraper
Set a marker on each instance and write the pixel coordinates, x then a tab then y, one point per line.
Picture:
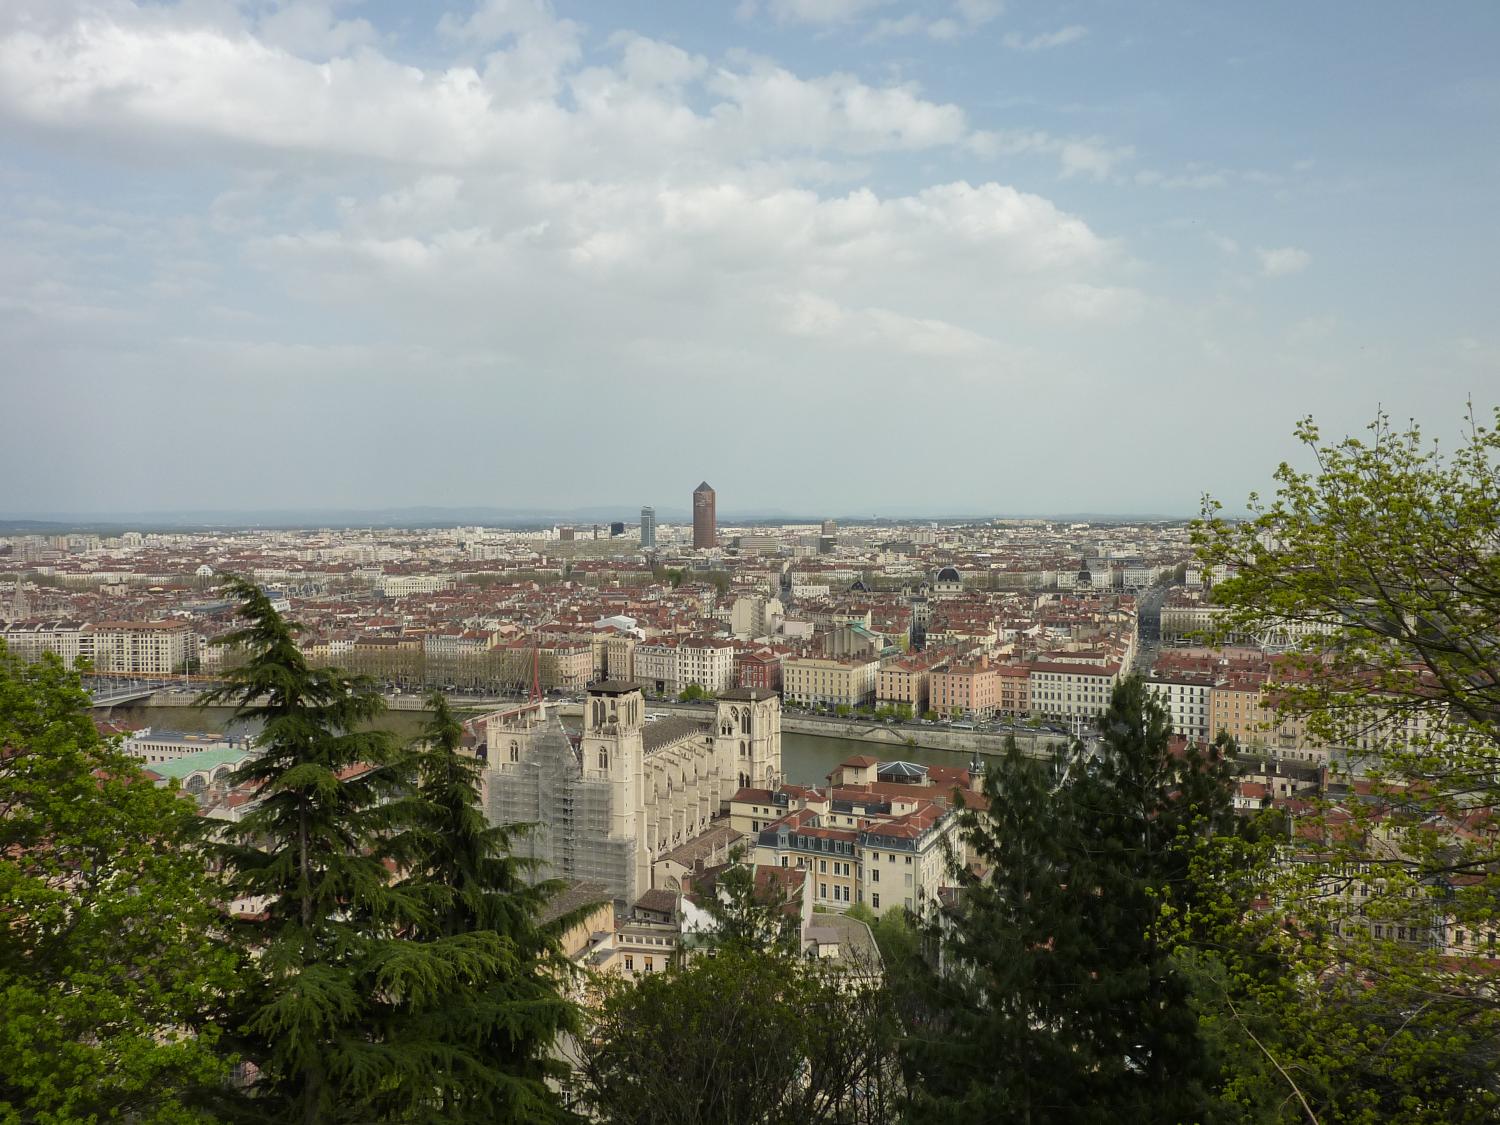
705	524
648	527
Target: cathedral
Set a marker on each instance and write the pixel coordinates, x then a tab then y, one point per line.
607	803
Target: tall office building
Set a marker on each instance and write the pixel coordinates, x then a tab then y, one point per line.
648	527
705	524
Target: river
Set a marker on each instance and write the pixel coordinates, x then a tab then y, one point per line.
806	759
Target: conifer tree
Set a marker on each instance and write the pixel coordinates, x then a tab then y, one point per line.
1058	997
326	1021
498	1033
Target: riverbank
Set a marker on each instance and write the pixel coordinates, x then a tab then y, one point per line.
884	740
178	697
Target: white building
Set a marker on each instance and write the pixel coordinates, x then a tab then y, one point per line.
1187	697
709	663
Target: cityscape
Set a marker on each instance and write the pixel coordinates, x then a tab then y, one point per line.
792	562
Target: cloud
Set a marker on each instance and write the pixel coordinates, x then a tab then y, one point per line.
534	219
1046	41
965	17
1222	242
1283	261
1091	156
820	13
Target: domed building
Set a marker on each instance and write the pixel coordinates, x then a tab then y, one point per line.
947	582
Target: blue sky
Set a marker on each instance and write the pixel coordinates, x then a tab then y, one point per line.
832	255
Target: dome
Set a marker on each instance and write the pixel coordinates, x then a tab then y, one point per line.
948	574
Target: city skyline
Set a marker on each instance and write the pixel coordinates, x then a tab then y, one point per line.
300	254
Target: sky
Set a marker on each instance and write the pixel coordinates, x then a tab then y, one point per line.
878	257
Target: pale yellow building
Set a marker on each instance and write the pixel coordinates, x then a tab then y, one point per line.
829	682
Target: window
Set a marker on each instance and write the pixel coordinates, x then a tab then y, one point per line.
822	890
629	963
874	874
650	964
823	867
875	901
603	758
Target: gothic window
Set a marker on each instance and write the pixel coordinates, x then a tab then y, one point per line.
515	751
745	721
603	758
744	749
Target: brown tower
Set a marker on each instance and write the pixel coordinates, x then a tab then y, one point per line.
705	525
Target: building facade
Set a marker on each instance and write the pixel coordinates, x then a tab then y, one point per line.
629	791
830	682
648	528
705	518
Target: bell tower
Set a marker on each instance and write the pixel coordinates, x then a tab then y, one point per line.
747	740
613	750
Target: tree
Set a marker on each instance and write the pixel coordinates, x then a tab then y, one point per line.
497	1033
741	1036
1060	997
334	1017
751	912
1382	569
1379	569
693	693
112	958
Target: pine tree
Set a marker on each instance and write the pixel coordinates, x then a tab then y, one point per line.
323	1022
1058	996
498	1033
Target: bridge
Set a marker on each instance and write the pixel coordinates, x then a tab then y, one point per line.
111	689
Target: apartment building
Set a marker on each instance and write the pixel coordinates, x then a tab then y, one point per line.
886	853
1066	692
148	648
830	682
906	682
969	689
707	662
1015	689
1188	699
29	639
656	668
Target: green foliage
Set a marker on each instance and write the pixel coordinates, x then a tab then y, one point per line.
745	1037
496	1033
931	716
112	959
1384	559
1061	998
693	693
335	1019
843	710
748	916
1380	565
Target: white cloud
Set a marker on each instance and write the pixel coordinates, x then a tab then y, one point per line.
1091	156
966	16
820	13
1223	242
1283	260
1047	40
310	27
